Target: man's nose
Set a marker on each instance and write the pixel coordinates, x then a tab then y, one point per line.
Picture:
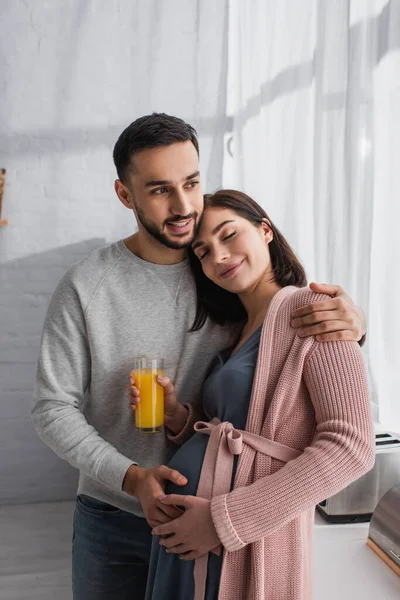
181	205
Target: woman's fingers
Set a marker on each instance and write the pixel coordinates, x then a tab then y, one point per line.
179	549
166	383
190	555
158	518
133	395
173	512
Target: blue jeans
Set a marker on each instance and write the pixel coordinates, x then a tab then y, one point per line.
110	552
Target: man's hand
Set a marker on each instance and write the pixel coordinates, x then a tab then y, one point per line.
194	533
148	485
335	319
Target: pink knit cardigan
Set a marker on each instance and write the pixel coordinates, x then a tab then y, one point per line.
313	398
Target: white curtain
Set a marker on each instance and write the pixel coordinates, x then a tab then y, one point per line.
314	97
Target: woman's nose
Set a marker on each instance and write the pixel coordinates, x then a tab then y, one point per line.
220	255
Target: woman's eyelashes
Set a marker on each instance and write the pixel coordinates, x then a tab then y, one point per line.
224	239
203	255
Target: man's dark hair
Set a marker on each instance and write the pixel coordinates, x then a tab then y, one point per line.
150	131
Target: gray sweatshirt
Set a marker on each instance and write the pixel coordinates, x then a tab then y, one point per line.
109	308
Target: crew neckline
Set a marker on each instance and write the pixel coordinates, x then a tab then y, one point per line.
176	267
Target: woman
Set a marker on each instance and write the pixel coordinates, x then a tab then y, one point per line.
288	418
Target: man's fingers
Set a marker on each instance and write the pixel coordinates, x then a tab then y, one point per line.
317	317
324	327
172	475
175	499
324	305
337	336
324	288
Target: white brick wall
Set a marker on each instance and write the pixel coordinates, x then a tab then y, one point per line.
29	471
73	74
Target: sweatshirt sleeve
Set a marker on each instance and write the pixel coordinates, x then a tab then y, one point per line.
342	450
63	378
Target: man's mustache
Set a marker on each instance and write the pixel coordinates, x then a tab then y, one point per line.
182	218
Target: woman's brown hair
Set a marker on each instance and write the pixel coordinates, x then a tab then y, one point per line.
225	307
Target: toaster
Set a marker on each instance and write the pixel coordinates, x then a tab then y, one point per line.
384	529
357	501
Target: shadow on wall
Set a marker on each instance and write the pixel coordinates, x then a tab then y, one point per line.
29	470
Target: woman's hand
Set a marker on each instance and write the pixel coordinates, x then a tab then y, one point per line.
175	415
171	403
193	534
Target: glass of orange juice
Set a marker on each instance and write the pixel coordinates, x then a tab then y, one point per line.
150	410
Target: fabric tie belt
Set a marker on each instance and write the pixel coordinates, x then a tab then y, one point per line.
216	473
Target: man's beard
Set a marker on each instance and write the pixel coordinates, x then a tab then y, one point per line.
161	237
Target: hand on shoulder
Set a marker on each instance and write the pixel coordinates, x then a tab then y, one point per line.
335	318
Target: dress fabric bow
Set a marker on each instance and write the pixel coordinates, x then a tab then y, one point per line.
216	473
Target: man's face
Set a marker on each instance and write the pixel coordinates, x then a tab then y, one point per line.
165	190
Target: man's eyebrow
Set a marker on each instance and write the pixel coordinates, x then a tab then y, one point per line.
214	231
153	182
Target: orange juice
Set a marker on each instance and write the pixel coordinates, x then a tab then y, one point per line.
150	410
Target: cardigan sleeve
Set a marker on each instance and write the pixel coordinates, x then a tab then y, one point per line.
194	414
342	450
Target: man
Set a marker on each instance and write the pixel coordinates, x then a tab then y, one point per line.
135	297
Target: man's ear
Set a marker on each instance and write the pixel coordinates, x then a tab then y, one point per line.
124	194
268	233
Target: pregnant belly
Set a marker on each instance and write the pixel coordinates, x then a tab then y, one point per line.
188	460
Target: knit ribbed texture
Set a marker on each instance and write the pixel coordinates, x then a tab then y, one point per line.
187	431
312	397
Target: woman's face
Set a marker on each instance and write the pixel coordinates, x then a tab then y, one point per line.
233	252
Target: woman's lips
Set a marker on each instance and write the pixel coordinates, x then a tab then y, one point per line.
231	270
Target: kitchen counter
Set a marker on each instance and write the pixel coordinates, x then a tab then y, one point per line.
346	568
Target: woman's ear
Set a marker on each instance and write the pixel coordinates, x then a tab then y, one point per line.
268	233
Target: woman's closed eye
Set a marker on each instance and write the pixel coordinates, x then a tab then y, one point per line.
228	237
224	239
200	257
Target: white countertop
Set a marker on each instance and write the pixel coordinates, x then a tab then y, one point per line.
346	568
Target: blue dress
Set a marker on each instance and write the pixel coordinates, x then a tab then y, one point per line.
226	395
